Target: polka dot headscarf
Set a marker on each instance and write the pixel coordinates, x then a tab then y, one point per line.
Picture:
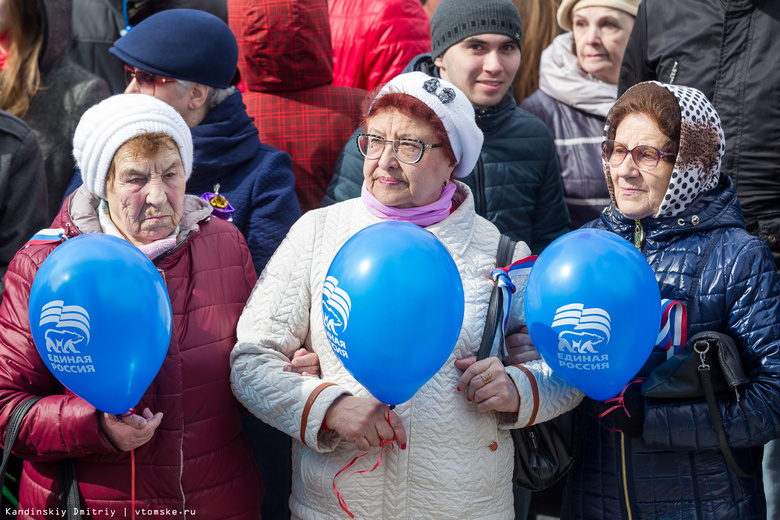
702	144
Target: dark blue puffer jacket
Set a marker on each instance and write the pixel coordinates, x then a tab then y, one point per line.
255	178
516	182
676	470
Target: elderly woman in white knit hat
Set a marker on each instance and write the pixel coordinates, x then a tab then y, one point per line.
454	454
135	153
578	77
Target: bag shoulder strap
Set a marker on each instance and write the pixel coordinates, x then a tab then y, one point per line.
506	248
12	432
709	393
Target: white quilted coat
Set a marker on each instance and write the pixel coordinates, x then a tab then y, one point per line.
458	462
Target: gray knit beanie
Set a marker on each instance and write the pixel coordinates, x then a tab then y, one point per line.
455	20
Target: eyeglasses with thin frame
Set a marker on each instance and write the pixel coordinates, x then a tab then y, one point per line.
409	151
645	157
145	79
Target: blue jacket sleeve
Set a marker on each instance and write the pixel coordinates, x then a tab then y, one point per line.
348	175
275	208
745	287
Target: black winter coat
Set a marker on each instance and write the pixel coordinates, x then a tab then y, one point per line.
729	50
676	470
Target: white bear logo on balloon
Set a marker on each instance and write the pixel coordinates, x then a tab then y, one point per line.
336	307
581	330
70	330
58	338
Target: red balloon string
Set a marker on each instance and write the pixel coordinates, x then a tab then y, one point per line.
132	482
383	449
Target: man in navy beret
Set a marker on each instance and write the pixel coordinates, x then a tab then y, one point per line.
188	58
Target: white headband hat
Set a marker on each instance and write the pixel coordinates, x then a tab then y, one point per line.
105	127
453	108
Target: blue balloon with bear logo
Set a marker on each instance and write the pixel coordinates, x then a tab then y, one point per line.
101	320
592	306
393	308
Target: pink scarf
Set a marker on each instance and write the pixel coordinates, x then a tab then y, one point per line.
422	216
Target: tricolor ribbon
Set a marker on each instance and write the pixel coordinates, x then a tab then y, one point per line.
503	277
46	236
674	327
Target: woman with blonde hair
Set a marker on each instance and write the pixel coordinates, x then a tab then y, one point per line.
42	87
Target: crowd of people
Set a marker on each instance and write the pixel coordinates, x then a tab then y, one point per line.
240	143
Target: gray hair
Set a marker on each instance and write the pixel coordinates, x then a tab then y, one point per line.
215	97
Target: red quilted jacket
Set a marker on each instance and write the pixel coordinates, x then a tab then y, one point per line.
198	460
374	40
286	64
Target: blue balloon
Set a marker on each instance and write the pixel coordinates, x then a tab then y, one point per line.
101	319
593	309
393	308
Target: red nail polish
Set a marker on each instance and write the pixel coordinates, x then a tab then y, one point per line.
458	389
403	446
467	399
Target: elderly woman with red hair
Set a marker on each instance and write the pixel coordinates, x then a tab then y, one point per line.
455	452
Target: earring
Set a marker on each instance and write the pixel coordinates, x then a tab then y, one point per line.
444	184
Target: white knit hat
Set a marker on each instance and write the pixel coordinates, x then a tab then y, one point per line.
453	108
105	127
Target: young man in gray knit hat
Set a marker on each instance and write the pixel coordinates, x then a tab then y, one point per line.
516	183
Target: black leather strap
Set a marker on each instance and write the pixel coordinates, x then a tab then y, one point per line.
709	393
506	247
69	487
12	432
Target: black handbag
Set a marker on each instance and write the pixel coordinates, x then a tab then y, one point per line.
542	451
708	365
66	468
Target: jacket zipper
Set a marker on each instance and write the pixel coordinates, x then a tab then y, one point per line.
624	470
639	234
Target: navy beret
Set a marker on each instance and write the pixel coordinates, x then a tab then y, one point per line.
184	44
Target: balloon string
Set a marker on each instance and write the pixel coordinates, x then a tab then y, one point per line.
342	502
619	400
132	482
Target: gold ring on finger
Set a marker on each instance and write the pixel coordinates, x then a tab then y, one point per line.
487	376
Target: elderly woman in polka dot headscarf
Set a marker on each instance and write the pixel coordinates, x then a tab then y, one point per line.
660	458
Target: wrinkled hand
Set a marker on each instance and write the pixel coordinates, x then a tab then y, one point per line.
304	363
133	431
363	422
486	383
520	348
626	411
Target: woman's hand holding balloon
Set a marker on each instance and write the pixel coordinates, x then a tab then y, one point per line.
304	363
487	384
520	348
132	431
363	421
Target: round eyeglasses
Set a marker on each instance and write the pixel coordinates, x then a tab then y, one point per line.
645	157
407	151
145	80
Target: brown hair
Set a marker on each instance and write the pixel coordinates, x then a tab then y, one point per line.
539	30
657	103
147	144
20	80
413	107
